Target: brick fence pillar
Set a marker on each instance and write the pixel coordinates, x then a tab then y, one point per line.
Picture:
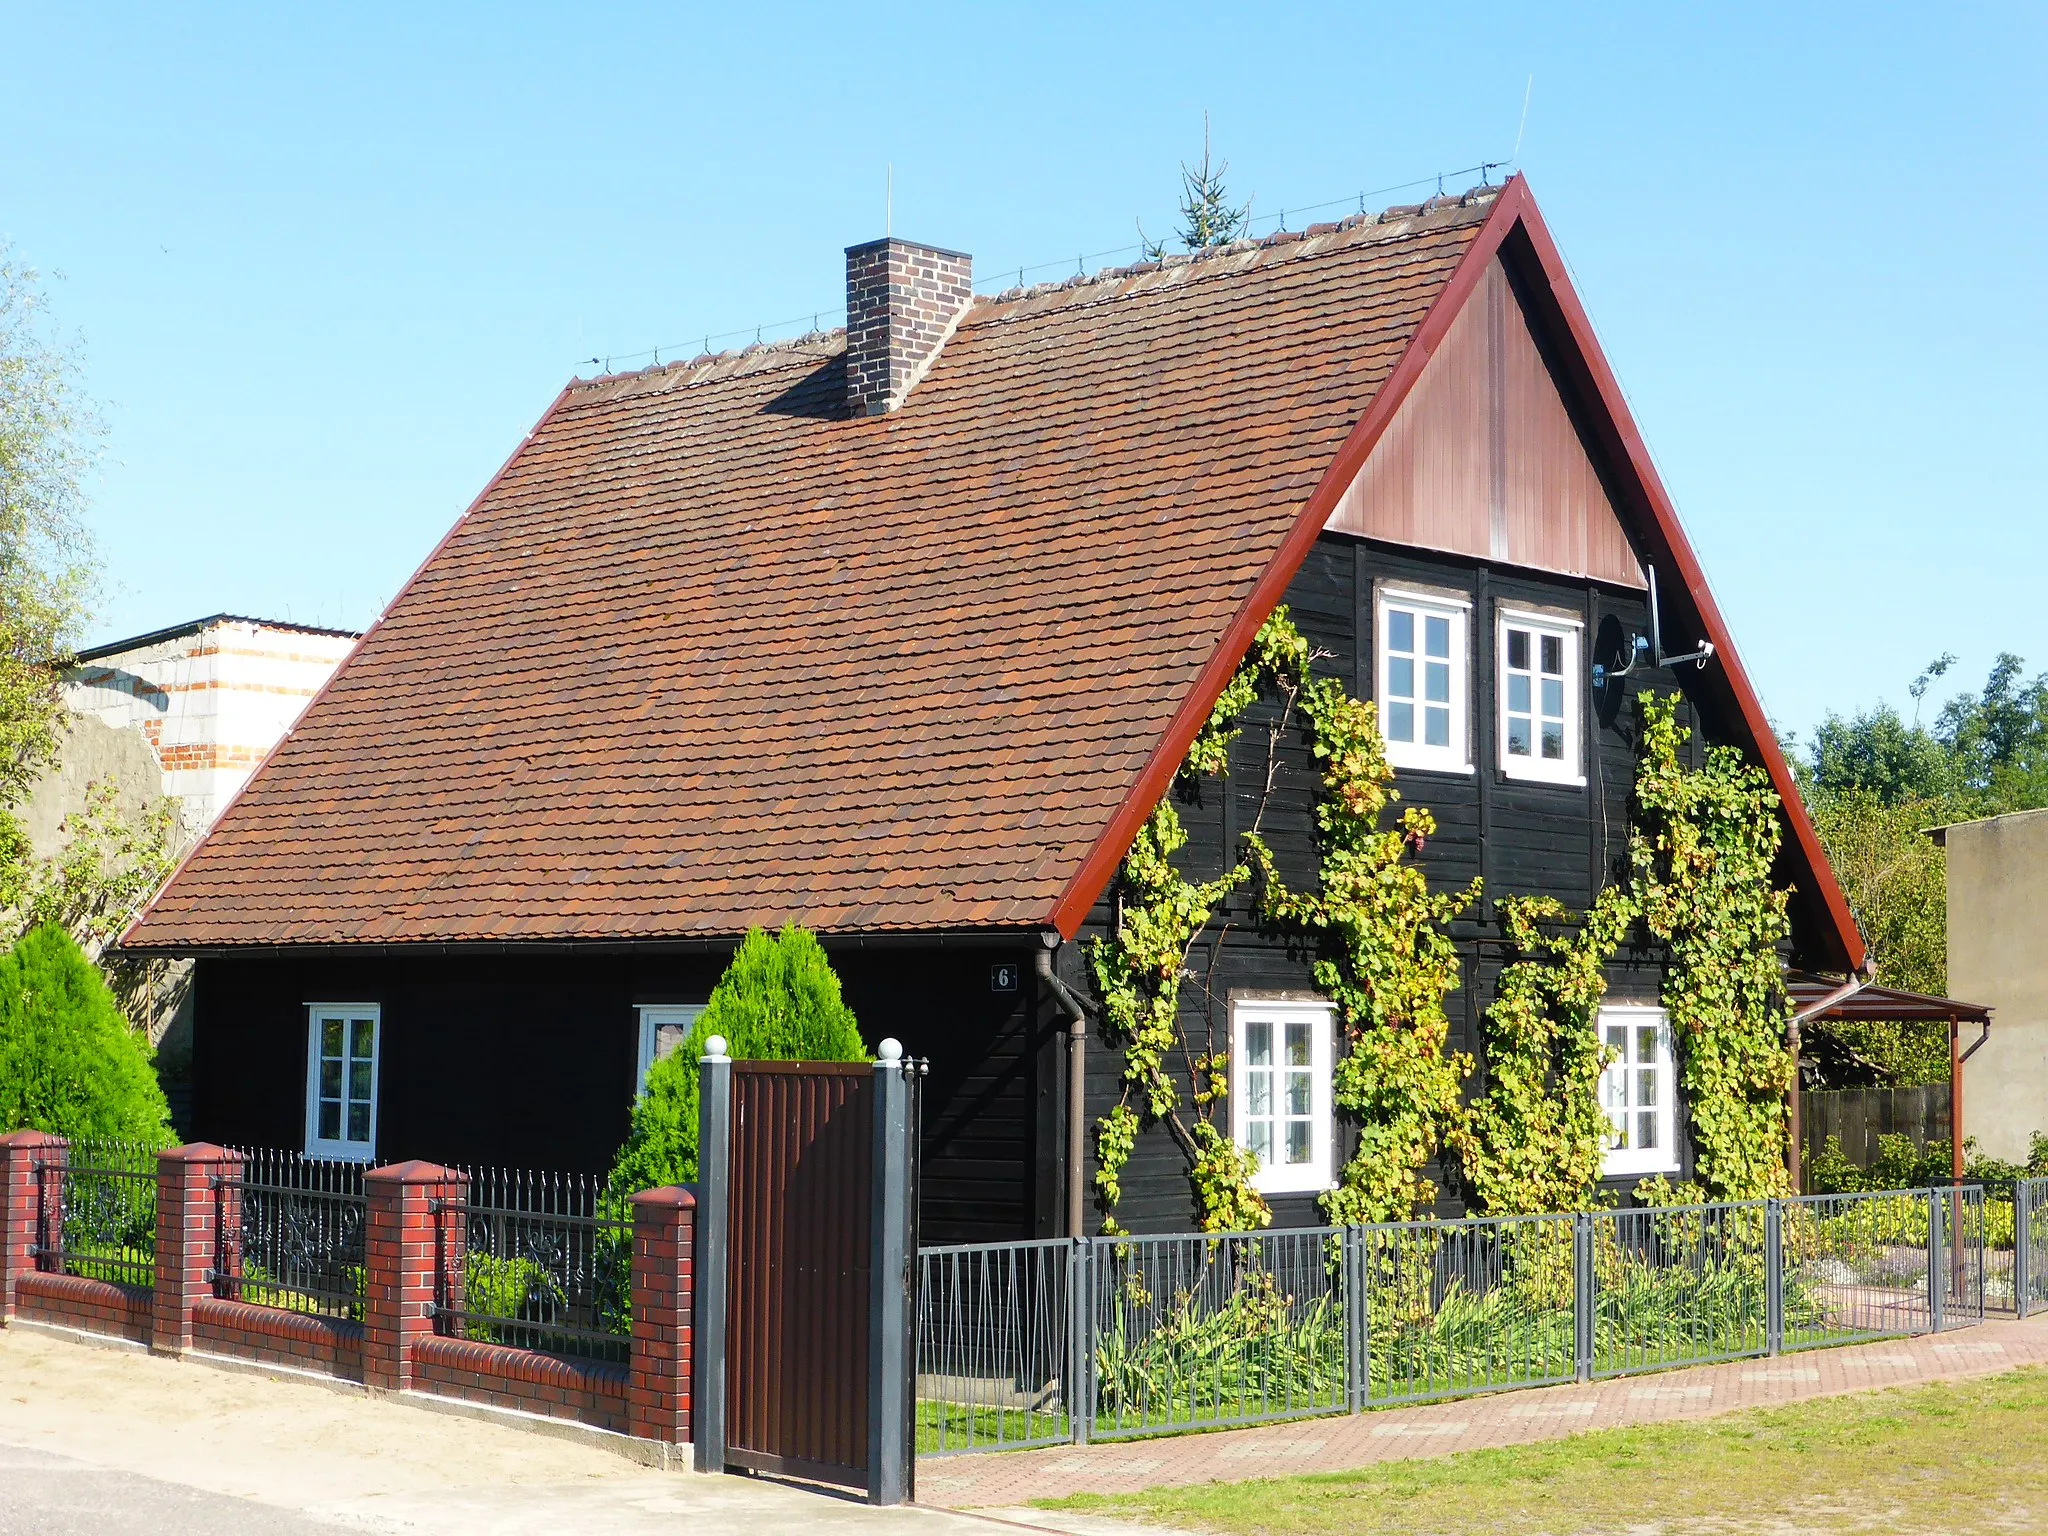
664	1233
26	1196
190	1212
402	1254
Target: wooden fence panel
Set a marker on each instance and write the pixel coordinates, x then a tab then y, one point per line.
1859	1116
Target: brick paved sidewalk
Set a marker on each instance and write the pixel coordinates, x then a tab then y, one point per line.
1506	1418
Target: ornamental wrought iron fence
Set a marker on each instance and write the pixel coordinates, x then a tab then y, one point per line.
537	1261
1112	1337
291	1233
99	1221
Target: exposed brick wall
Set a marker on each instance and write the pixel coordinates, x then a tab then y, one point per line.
188	1212
97	1306
902	301
402	1249
23	1192
518	1378
664	1301
331	1346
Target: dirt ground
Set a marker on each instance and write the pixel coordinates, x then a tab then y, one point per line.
370	1463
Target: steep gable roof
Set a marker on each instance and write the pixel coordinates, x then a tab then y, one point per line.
708	653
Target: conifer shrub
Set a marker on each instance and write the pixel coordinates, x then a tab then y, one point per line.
778	1001
69	1063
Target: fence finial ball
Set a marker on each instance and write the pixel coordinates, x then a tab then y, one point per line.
890	1050
714	1047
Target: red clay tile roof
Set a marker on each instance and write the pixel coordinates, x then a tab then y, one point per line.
707	653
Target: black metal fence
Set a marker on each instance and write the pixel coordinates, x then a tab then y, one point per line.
536	1261
291	1233
1036	1343
2030	1246
100	1219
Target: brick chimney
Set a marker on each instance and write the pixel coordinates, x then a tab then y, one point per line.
902	302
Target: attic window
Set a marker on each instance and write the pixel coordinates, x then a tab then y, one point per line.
1424	670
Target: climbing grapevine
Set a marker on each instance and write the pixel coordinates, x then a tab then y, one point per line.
1701	851
1537	1138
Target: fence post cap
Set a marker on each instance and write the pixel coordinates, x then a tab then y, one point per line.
714	1048
42	1139
668	1197
198	1152
890	1052
412	1171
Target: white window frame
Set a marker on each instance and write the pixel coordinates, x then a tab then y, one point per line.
654	1017
1457	756
1538	626
1624	1159
342	1148
1286	1178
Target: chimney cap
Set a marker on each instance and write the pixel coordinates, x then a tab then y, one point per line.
915	245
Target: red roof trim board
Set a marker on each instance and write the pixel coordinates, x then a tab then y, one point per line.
1514	213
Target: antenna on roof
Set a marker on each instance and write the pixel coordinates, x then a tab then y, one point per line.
889	203
1516	157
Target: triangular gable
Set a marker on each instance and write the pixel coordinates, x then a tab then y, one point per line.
1514	234
1483	458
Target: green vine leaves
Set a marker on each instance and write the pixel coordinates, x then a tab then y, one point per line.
1381	956
1537	1138
1701	852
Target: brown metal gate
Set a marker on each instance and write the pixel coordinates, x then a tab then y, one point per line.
803	1141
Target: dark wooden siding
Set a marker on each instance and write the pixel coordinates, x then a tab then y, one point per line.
527	1060
1524	839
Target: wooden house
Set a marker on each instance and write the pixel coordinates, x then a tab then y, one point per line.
900	633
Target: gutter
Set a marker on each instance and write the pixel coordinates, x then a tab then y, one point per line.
1077	1012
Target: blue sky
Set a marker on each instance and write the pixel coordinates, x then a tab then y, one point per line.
328	268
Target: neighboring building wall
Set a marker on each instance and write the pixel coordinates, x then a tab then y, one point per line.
1998	956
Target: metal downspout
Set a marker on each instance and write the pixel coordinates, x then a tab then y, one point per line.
1077	1082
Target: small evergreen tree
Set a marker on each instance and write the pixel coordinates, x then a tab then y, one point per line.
1207	216
778	1001
69	1064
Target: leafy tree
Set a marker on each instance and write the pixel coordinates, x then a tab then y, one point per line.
68	1061
1208	217
1998	739
778	1001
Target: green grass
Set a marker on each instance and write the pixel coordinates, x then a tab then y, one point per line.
1949	1457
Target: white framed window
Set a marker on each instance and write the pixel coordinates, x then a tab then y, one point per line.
1538	668
1424	667
663	1027
1280	1092
341	1080
1639	1091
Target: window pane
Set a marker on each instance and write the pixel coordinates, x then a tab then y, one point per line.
1617	1036
1260	1139
1400	678
1400	722
1400	630
1437	675
1518	735
1646	1129
1553	698
1258	1093
359	1122
1553	655
1646	1086
364	1045
1297	1044
1258	1043
1297	1141
1298	1093
1518	694
330	1079
359	1081
1436	727
1436	634
1646	1043
330	1037
1553	741
1518	649
330	1120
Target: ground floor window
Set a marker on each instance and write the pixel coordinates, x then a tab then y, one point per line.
663	1027
1280	1092
341	1080
1638	1090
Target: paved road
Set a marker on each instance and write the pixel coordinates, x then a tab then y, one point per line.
107	1442
61	1496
